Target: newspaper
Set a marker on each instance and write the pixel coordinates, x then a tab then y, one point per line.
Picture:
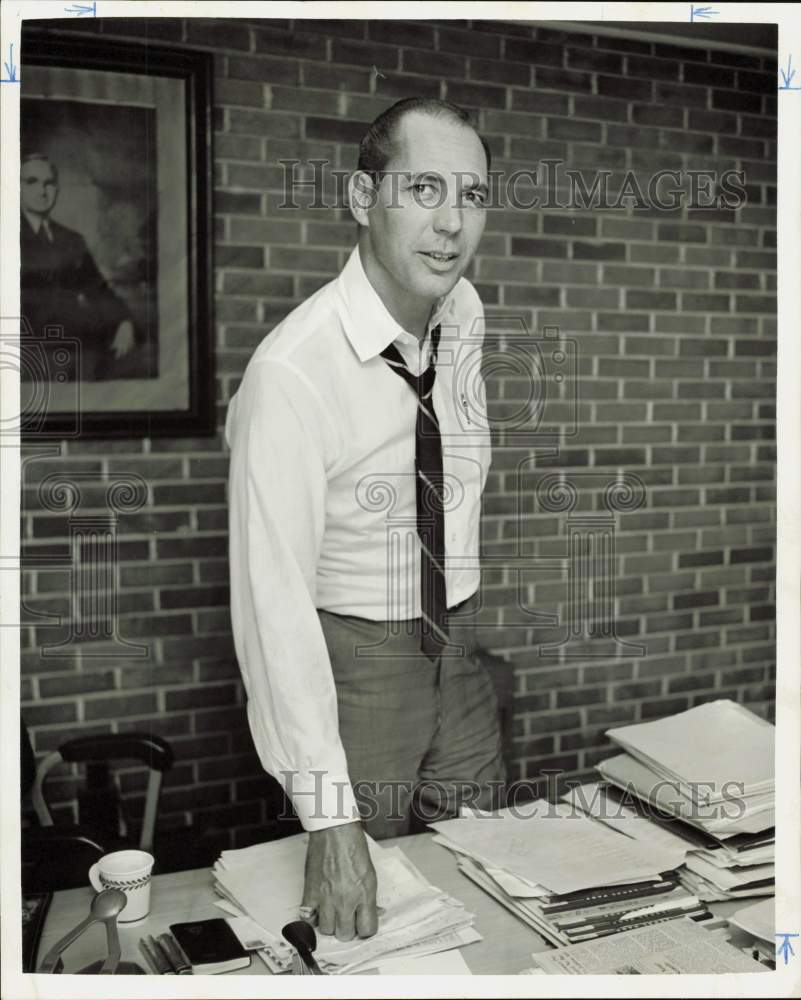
675	947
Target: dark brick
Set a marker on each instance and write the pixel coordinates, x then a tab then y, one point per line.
709	76
696	600
229	202
558	79
262	69
581	696
600	108
217	32
495	71
573	131
760	83
240	256
476	95
531	295
652	114
687	559
682	232
595	61
448	66
632	90
538	248
205	696
751	555
568	225
385	57
654	69
114	708
636	299
405	33
712	121
620	456
335	129
471	43
676	93
623	44
335	77
49	714
731	100
296	44
599	251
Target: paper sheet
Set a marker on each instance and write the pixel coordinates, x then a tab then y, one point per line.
449	963
591	797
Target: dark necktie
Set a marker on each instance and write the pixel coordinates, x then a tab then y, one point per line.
429	494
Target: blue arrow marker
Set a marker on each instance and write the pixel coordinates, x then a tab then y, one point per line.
785	949
10	68
701	12
82	9
787	76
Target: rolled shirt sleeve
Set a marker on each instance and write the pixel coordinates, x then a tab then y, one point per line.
279	438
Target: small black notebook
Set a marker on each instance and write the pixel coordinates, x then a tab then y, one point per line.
210	946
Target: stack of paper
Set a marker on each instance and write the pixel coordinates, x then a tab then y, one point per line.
711	869
265	884
567	876
712	769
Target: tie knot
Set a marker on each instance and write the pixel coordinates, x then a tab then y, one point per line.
422	383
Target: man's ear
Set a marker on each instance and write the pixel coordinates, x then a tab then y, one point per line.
362	194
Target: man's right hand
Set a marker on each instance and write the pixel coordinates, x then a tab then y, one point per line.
341	882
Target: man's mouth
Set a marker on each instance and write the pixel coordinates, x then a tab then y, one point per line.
439	256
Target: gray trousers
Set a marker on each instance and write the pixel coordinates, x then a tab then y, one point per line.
421	738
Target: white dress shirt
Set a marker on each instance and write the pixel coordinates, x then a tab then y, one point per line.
323	509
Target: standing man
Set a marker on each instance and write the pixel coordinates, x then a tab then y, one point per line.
61	283
358	459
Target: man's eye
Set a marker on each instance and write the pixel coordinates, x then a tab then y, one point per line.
476	198
423	187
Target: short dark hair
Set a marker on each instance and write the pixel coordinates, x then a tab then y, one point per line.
32	157
378	142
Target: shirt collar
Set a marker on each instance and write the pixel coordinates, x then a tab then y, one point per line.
36	222
368	324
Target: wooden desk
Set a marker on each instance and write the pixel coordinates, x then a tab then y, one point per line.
506	948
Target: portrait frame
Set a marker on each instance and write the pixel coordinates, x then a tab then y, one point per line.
170	90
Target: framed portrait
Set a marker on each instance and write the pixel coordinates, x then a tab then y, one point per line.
115	238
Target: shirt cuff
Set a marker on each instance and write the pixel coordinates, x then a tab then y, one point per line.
320	799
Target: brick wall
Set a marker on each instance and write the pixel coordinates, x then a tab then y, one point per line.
673	316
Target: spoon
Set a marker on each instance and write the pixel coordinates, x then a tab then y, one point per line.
301	936
104	909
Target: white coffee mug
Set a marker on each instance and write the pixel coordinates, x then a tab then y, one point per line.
131	872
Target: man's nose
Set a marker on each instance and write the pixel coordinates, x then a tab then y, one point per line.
448	218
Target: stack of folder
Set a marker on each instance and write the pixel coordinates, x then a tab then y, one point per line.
567	876
705	775
264	884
